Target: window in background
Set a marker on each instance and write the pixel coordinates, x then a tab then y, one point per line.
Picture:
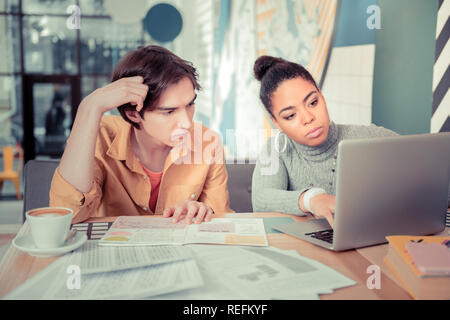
10	71
52	117
91	83
52	51
49	46
104	42
10	110
10	6
46	6
92	7
9	44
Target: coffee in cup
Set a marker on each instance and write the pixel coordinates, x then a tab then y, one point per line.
49	226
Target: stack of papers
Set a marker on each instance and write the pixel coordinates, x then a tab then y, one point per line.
92	258
260	273
154	271
196	272
113	273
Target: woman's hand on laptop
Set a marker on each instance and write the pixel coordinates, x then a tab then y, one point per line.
322	206
188	210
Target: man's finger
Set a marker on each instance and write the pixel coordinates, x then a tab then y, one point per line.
168	212
209	215
201	214
138	79
178	211
192	210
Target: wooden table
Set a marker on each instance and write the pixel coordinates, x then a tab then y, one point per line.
16	266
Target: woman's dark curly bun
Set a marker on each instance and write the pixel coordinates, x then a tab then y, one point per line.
272	71
263	64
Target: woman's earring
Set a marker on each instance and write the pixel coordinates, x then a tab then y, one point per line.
276	142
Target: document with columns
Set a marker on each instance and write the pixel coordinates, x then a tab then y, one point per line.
145	231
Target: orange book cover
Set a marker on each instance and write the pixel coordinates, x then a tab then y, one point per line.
399	278
399	243
419	288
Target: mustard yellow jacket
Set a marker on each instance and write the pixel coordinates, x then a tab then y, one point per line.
195	171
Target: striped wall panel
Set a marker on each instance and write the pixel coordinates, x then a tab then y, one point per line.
440	115
204	54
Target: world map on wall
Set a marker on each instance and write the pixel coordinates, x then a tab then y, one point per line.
299	31
296	30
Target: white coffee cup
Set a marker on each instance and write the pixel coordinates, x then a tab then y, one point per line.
49	226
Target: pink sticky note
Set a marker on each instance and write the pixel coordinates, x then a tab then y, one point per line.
430	257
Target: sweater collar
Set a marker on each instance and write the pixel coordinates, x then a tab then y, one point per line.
323	151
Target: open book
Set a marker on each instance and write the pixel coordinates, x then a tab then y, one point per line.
136	231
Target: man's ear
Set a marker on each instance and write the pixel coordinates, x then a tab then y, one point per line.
133	115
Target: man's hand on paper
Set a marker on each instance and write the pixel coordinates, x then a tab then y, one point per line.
188	209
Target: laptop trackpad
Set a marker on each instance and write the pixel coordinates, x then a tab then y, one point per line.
302	227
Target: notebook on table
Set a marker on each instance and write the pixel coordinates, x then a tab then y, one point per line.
144	231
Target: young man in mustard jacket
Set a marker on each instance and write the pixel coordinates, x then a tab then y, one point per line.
153	159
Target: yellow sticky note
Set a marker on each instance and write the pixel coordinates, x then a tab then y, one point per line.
244	240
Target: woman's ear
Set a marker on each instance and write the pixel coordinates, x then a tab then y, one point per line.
275	123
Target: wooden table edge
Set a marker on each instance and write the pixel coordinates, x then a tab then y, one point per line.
339	294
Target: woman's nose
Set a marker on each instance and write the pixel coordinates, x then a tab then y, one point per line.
306	116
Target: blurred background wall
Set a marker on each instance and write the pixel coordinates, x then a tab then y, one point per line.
373	59
403	74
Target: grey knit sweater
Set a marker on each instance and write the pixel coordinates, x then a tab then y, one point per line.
281	177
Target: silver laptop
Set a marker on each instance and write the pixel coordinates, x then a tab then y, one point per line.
385	186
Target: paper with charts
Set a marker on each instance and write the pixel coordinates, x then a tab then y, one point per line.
135	231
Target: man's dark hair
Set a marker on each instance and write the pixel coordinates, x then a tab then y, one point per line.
159	67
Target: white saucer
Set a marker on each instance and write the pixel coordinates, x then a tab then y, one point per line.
25	243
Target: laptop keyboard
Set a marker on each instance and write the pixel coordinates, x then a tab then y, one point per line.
324	235
327	235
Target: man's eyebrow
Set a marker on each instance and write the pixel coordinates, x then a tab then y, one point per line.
192	101
166	108
174	108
